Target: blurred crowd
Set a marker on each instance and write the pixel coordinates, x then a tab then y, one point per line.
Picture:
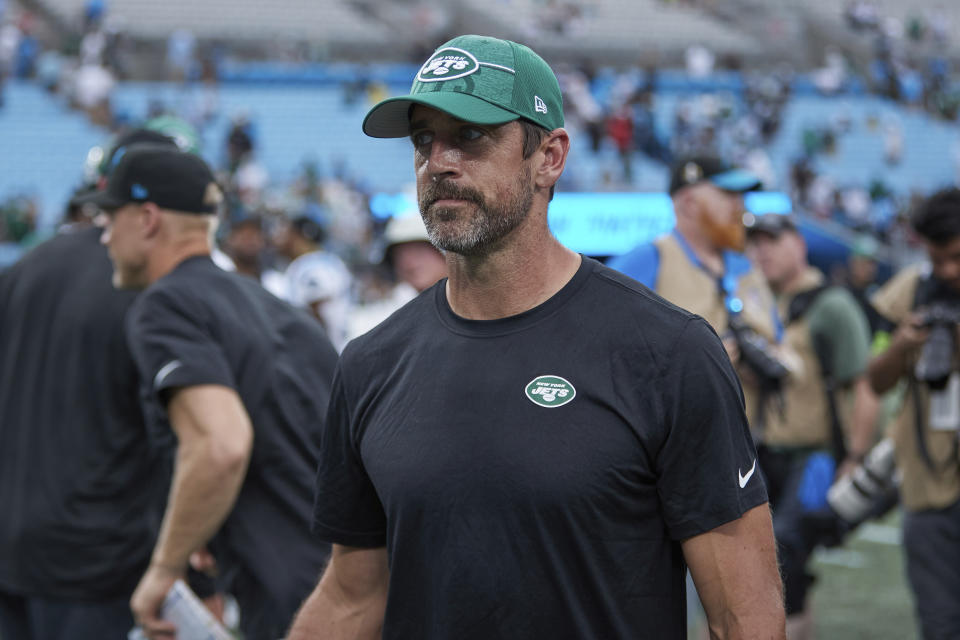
618	113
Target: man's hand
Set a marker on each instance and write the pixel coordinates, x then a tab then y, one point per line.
148	597
886	369
911	334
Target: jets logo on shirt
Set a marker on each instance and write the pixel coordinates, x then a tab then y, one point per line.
550	391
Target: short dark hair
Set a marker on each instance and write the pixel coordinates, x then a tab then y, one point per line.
938	219
533	135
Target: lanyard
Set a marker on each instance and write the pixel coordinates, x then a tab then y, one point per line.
727	282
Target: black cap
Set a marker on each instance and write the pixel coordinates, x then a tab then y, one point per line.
127	140
696	169
165	176
772	224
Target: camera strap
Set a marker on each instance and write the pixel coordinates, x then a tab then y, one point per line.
799	305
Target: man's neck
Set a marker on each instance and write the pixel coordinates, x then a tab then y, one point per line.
166	260
710	256
525	273
798	280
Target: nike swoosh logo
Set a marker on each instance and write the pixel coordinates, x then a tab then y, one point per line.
744	479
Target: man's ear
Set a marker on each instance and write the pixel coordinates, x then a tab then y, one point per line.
685	203
554	148
151	219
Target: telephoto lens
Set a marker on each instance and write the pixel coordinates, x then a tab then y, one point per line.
855	496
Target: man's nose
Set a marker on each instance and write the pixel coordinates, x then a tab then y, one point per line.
444	159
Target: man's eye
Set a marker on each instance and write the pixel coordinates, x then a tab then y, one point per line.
421	138
470	134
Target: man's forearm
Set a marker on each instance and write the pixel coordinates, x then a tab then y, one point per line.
866	408
328	614
206	482
886	369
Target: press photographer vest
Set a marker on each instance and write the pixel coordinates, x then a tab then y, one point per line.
923	487
807	420
686	285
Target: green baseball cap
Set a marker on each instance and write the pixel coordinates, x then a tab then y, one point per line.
476	79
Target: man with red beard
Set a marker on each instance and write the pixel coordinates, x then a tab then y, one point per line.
536	446
699	265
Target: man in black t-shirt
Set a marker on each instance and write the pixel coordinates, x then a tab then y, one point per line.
81	487
537	446
240	377
81	490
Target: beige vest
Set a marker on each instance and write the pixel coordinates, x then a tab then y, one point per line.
921	488
805	419
690	287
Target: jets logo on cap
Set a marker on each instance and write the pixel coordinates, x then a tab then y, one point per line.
539	105
448	63
550	391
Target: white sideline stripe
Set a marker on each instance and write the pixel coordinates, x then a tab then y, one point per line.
841	558
165	370
880	534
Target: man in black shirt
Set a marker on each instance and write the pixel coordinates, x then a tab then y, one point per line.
537	446
81	487
242	379
81	492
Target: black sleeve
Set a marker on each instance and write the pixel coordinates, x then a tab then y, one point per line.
173	348
347	509
707	464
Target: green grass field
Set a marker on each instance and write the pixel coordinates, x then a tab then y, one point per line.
861	591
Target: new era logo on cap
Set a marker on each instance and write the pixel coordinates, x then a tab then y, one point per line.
539	105
138	192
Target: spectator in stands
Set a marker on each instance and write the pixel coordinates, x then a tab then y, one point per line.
316	280
181	48
620	131
247	177
9	41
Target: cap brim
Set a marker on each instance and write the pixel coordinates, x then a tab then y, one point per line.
736	180
102	199
391	118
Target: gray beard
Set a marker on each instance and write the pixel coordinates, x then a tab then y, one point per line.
477	233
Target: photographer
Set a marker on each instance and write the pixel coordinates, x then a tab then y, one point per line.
828	413
923	303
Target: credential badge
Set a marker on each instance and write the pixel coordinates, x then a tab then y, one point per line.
550	391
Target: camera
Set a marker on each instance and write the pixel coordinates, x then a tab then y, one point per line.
857	496
757	353
936	356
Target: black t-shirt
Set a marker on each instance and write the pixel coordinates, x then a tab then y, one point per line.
202	325
81	491
533	476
